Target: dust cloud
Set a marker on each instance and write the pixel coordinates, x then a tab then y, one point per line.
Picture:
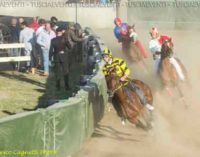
176	131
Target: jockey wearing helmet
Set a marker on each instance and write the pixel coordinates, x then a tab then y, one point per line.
123	72
120	66
121	29
155	47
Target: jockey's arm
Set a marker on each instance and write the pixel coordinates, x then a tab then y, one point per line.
125	69
124	77
157	52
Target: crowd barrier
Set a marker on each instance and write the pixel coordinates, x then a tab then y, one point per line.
59	130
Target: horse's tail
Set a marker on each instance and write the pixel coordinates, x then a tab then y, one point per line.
178	68
168	72
184	70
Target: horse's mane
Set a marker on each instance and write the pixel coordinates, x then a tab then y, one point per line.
166	51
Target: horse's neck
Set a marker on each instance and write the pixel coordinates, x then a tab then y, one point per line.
165	54
121	94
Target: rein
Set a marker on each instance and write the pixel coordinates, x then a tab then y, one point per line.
119	87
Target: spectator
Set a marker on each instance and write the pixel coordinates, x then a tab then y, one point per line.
60	56
54	21
1	37
72	40
38	48
27	37
72	37
41	27
14	32
34	25
21	20
44	40
80	34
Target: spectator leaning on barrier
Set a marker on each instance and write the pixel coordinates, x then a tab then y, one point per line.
14	32
60	57
27	37
80	34
73	39
44	40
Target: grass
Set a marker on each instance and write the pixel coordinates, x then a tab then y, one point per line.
21	92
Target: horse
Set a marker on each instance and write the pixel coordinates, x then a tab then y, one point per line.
130	49
167	71
127	103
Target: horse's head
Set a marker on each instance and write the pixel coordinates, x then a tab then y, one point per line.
167	47
131	28
113	82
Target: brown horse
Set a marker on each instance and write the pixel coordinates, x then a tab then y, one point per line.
128	104
168	73
131	50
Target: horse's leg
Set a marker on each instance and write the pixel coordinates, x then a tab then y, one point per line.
117	106
165	75
129	104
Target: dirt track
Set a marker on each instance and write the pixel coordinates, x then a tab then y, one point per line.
177	130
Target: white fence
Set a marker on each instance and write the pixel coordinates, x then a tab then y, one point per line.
14	59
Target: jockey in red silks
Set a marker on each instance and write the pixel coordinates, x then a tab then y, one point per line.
155	47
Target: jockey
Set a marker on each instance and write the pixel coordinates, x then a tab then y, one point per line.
155	47
123	72
120	66
121	29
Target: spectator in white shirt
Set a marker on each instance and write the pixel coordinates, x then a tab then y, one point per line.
27	37
44	40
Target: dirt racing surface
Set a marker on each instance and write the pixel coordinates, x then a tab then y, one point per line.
176	131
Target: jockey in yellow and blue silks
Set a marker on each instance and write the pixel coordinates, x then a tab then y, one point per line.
121	70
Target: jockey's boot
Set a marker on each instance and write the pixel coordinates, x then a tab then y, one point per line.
149	107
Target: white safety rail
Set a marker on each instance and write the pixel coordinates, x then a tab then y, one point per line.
14	59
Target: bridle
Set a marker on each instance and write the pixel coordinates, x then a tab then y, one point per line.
112	92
